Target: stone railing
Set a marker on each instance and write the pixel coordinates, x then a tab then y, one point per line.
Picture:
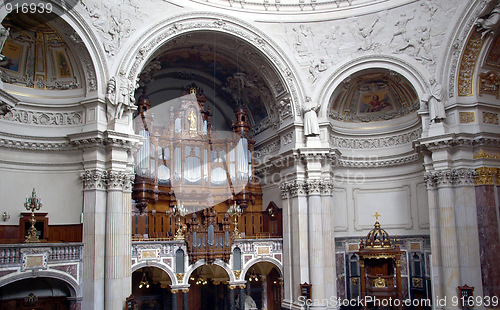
12	254
56	260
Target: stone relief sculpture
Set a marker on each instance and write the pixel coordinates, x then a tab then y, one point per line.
110	22
317	66
434	102
311	125
489	18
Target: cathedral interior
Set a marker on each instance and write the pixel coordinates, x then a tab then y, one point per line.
236	154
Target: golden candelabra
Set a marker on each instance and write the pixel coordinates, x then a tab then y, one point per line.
32	203
235	210
179	211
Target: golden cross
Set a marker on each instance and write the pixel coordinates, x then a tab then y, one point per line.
376	215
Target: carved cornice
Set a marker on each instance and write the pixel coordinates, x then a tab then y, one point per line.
44	118
269	148
378	163
375	143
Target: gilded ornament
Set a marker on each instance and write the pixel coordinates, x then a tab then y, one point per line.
237	273
484	154
490	118
379	282
468	63
489	83
180	277
467	117
485	176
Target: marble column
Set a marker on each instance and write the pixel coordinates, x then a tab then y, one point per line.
287	250
296	240
434	236
488	226
242	297
265	296
185	305
448	236
94	227
316	242
329	255
115	265
231	297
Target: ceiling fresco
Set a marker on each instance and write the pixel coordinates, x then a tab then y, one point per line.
373	95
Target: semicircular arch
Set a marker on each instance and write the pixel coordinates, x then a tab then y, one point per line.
158	265
257	260
416	75
153	39
75	288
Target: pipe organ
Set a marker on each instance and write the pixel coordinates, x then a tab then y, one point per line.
185	160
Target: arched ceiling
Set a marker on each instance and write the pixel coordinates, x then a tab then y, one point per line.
373	95
39	54
229	70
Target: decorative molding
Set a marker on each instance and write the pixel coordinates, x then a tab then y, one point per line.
467	117
490	118
269	148
489	83
44	118
485	154
287	138
375	143
468	63
378	163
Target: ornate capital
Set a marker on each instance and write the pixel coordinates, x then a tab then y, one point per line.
314	187
180	277
285	191
485	176
450	177
94	180
115	180
237	273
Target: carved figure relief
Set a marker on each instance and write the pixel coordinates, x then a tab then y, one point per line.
489	83
489	18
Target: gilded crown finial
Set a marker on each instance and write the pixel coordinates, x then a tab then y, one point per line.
376	215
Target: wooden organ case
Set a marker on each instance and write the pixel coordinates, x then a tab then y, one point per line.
380	263
184	160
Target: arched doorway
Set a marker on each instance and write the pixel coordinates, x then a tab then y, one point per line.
208	288
151	288
264	286
36	293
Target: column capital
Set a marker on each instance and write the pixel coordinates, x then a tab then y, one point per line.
486	176
93	180
450	177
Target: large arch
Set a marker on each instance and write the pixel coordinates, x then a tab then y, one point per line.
152	40
202	262
257	260
76	290
158	265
